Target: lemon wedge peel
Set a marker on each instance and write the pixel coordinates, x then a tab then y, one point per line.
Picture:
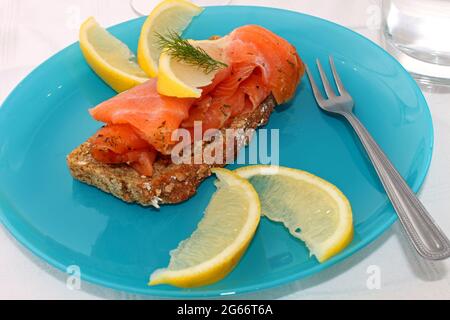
167	16
343	233
169	83
114	75
217	267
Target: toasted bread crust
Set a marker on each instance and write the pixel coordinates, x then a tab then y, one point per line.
170	183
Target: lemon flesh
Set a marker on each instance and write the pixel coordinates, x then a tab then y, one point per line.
311	208
182	80
178	79
167	16
110	58
221	237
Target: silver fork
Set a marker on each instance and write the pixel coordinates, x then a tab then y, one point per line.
426	237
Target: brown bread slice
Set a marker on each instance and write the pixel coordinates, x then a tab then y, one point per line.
170	183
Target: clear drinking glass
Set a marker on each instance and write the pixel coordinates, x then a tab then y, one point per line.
417	32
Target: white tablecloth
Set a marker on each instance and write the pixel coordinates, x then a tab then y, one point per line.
31	31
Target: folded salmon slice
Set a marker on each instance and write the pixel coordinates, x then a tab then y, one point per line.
153	115
120	143
259	63
278	59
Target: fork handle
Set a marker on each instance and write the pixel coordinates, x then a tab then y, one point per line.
426	237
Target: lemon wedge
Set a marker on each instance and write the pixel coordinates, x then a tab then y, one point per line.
110	58
179	79
167	16
221	237
312	209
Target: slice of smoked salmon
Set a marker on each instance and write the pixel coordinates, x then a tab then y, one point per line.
119	143
281	65
142	161
154	116
119	138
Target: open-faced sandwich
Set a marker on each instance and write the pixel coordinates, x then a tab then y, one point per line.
185	109
131	155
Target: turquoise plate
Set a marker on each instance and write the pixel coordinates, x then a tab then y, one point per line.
118	245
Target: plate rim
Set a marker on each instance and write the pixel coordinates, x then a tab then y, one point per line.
154	291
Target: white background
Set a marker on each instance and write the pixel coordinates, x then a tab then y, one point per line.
31	31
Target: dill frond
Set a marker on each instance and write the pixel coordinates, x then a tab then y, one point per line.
182	50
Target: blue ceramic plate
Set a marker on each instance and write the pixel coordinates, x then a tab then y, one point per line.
118	245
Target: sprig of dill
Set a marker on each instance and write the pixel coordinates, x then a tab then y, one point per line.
182	50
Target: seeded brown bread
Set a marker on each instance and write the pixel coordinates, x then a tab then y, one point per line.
170	183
